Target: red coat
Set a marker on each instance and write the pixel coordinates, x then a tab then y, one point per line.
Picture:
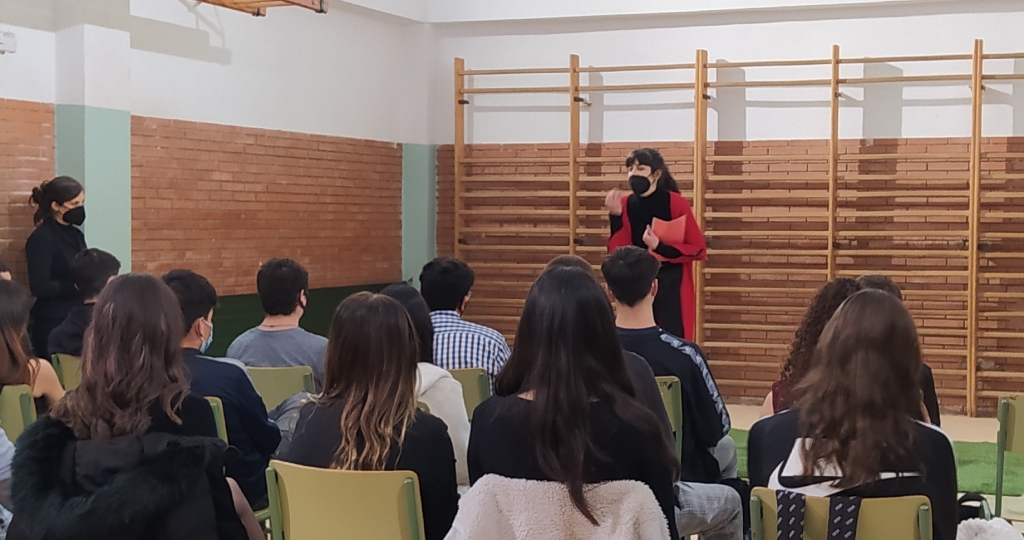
692	248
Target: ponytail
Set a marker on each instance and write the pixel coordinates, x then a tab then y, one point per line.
59	190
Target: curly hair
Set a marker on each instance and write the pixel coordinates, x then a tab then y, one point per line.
823	306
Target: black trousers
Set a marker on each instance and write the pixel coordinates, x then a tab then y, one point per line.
39	331
668	311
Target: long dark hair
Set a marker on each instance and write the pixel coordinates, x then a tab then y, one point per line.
858	402
823	306
59	190
568	354
652	158
414	303
371	366
131	359
15	303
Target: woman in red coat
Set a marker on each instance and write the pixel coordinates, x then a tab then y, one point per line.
656	195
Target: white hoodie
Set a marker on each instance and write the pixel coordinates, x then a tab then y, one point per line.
436	388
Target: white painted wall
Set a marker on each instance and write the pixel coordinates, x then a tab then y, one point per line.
878	111
449	11
28	74
351	72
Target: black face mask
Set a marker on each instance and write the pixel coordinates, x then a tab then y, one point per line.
639	184
75	216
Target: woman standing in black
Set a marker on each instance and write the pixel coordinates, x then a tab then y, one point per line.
50	249
656	197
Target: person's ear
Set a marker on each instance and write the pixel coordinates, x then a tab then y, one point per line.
303	300
111	278
607	291
465	301
197	328
655	176
654	288
55	207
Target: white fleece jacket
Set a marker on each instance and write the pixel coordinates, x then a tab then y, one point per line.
443	394
498	508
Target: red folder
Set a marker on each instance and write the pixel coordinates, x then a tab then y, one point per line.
670	232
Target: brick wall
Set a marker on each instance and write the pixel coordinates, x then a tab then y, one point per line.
221	199
767	234
26	160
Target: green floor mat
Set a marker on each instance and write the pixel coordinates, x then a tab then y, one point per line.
975	466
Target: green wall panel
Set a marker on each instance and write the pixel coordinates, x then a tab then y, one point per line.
236	314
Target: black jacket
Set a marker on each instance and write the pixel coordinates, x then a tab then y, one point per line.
49	250
151	487
254	435
67	338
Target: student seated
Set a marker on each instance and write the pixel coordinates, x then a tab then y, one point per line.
644	383
446	285
798	362
852	428
16	363
249	430
367	419
435	387
91	270
564	407
279	341
137	453
931	400
709	454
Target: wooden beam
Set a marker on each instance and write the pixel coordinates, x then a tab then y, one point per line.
700	164
833	164
975	200
574	148
460	149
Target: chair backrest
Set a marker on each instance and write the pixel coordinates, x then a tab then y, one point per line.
277	384
474	387
308	503
892	518
1009	439
672	396
1011	423
218	416
17	409
69	370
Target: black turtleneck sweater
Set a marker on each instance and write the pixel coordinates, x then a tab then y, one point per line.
49	250
642	211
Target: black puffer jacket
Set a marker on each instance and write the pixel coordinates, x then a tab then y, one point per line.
156	486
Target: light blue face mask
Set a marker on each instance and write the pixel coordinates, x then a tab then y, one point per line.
209	341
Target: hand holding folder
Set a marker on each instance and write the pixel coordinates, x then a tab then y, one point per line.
671	232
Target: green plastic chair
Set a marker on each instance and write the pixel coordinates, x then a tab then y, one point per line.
892	518
672	396
309	503
474	387
277	384
69	370
17	410
218	416
1010	439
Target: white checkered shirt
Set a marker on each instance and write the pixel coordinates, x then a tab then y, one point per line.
460	344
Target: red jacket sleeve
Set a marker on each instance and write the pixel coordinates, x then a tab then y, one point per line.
624	236
693	247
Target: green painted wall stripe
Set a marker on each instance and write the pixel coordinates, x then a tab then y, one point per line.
236	314
419	208
94	145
